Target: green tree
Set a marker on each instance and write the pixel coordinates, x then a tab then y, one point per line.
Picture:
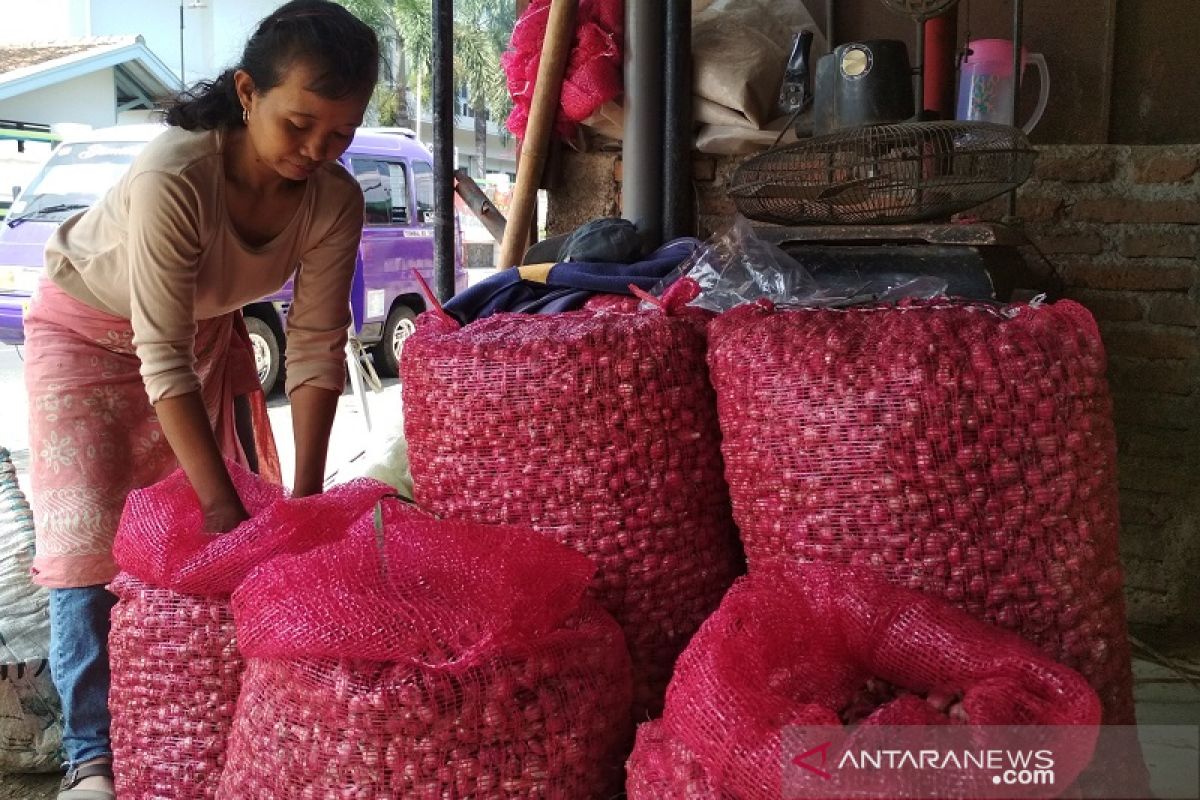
405	29
482	31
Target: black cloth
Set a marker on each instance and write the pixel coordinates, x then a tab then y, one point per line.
568	286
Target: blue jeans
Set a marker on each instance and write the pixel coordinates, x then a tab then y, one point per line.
79	623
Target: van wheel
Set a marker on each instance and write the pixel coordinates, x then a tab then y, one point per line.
266	353
401	323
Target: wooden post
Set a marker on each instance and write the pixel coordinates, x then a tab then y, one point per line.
556	47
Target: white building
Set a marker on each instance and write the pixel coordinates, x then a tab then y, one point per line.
211	38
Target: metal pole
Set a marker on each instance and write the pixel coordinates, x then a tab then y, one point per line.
182	80
920	87
677	134
1017	45
443	148
642	148
483	208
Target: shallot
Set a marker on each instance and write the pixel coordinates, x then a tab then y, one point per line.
963	449
598	430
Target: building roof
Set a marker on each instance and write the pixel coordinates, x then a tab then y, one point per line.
141	75
27	54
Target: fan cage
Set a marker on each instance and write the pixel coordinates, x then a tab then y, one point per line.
920	9
883	174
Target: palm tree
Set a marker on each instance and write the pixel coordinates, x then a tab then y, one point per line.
481	35
387	18
481	32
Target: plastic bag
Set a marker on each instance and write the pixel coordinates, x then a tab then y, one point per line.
30	713
737	267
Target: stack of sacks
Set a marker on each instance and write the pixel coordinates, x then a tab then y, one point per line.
598	430
176	670
426	659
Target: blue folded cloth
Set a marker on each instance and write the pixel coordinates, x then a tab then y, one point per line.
568	286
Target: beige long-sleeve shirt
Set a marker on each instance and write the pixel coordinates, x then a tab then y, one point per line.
160	251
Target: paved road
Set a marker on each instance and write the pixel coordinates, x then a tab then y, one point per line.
347	445
14	433
346	448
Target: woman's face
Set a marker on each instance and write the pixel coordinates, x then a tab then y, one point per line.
292	129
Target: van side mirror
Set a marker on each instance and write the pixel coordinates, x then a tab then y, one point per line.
16	190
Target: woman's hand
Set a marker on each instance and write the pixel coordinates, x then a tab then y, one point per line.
225	516
186	425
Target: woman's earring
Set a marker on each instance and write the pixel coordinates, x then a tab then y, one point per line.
245	116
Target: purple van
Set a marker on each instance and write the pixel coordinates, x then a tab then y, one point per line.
396	175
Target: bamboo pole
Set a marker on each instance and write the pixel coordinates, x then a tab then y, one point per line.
556	47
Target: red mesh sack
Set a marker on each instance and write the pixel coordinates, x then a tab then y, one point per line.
965	450
617	303
175	678
802	645
427	659
175	665
597	430
594	73
660	768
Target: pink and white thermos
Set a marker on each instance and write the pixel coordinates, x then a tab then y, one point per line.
985	87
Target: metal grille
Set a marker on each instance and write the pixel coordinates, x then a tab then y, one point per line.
920	9
908	172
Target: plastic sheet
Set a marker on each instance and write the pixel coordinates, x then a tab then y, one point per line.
737	267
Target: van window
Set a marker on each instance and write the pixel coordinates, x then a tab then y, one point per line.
399	186
385	190
423	181
376	185
75	177
376	190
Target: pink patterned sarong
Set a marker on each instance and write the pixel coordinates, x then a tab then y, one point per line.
93	435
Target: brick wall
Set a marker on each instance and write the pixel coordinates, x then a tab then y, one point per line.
1122	228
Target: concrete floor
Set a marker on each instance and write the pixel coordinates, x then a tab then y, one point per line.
1163	698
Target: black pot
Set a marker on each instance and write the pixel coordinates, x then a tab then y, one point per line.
863	83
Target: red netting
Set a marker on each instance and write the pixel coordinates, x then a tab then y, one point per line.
597	430
961	449
619	303
660	768
429	660
803	645
162	539
175	678
175	664
594	73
